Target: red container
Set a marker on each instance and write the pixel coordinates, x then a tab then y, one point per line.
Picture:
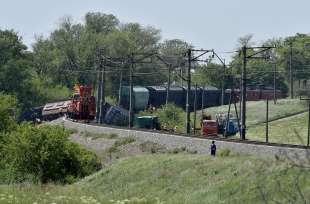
209	128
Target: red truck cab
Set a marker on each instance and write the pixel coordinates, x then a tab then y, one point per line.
83	106
209	128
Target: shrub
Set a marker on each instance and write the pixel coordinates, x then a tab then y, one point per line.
8	110
170	117
46	153
224	153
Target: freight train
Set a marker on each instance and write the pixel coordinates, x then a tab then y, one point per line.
82	106
155	96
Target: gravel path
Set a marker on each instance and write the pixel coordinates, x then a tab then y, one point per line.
202	146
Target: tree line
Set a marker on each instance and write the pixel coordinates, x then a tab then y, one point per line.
72	54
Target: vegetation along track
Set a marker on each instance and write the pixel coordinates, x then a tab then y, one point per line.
197	143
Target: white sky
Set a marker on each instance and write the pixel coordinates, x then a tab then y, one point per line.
204	23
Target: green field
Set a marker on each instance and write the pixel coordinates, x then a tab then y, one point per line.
291	130
256	110
289	120
177	178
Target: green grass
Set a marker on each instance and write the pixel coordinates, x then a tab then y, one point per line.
180	178
256	110
291	130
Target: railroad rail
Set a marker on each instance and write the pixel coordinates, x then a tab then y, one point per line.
197	142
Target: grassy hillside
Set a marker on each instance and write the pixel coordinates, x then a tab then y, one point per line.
291	130
181	178
256	110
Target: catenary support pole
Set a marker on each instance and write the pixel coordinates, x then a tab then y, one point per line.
202	104
228	114
274	83
202	100
223	84
267	120
102	95
98	96
308	140
131	92
195	108
169	83
120	87
236	111
188	126
99	91
243	94
291	71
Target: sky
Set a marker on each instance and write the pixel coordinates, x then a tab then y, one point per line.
208	24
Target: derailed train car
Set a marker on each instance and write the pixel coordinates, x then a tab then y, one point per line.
55	110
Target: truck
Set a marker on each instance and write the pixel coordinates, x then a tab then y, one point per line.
83	104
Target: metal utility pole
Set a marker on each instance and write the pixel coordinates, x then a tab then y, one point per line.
308	136
244	81
267	121
188	117
190	60
232	99
291	71
132	61
274	83
181	73
228	114
98	96
243	93
195	108
120	87
102	95
222	83
308	140
130	121
169	83
99	91
202	103
236	110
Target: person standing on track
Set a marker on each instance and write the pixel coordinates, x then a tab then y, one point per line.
213	149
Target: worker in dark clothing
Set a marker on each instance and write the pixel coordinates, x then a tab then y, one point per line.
213	149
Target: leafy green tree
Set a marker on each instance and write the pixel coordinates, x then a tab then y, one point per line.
11	46
173	51
8	111
211	74
100	23
259	71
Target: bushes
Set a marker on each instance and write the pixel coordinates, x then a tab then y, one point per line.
170	117
45	153
8	110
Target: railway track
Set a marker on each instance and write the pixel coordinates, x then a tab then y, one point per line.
228	139
197	143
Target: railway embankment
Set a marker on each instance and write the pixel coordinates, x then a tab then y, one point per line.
200	145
